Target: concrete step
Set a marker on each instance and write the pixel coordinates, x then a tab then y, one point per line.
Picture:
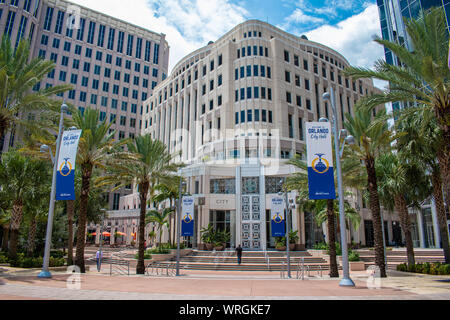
252	253
242	267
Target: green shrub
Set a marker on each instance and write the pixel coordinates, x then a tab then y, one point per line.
419	268
321	246
412	268
147	255
426	268
353	256
55	262
402	267
3	258
57	254
436	268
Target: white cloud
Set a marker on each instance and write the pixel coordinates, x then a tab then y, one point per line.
353	37
298	16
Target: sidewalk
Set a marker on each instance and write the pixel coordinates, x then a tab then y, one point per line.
217	286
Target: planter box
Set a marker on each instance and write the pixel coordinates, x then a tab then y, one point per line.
162	257
357	266
183	252
318	253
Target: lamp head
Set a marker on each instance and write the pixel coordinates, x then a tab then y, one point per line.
323	120
326	96
350	140
45	148
64	108
343	133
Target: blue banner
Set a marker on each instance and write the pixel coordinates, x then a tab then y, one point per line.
320	161
187	217
278	223
65	178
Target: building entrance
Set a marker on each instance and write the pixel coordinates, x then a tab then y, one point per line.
251	222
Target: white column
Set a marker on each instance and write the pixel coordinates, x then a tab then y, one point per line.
238	206
97	234
437	236
262	196
420	227
113	231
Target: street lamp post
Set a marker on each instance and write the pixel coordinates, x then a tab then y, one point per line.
346	280
180	194
100	253
45	273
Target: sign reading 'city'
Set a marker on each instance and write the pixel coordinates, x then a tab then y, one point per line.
278	220
65	178
320	161
187	217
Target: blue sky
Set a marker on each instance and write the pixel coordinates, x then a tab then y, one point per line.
347	26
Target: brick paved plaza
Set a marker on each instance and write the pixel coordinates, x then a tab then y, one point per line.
191	285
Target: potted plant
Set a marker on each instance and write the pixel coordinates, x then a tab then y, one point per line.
280	243
293	239
207	237
355	262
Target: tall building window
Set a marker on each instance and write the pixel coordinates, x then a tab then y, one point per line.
10	23
139	48
130	45
101	36
48	18
80	34
156	54
59	22
26	5
91	32
111	37
147	51
120	42
21	31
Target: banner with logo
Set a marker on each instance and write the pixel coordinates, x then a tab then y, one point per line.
187	217
65	178
278	224
320	161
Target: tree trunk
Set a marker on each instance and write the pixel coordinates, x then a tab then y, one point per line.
16	220
5	239
70	216
402	209
170	224
441	214
31	236
376	216
143	193
82	217
334	271
443	117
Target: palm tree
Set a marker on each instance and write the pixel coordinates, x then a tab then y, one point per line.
96	147
19	176
420	141
147	163
18	75
168	191
35	207
422	78
398	185
372	140
161	218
